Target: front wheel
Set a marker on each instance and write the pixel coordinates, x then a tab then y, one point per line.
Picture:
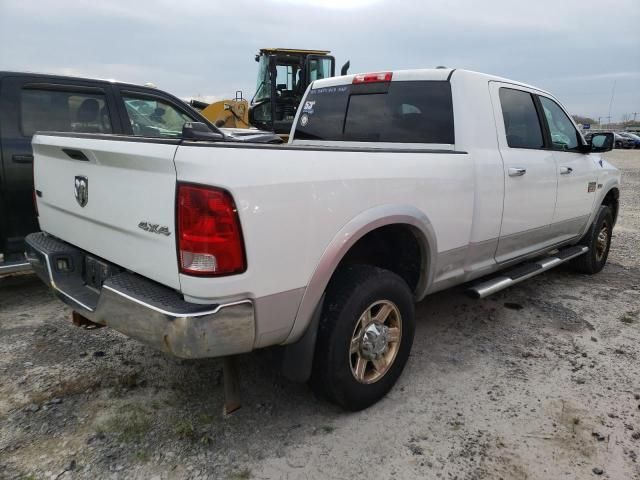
364	338
598	239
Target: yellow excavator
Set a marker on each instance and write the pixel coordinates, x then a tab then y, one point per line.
283	76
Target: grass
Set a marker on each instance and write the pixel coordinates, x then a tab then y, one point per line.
142	456
66	388
244	474
130	424
630	317
185	430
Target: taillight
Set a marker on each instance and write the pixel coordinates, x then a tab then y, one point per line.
372	77
209	235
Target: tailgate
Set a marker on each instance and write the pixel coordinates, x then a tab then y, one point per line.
111	197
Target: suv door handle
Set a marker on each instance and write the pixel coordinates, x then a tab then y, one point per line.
517	172
17	158
565	170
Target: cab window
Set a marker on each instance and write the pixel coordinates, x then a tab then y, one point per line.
63	111
564	135
521	123
400	112
152	117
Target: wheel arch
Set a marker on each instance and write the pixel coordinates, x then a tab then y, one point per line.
612	200
609	193
363	224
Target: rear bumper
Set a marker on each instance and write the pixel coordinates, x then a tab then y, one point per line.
142	309
14	267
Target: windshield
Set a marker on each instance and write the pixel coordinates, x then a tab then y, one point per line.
263	87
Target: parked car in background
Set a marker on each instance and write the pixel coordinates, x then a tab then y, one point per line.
32	102
632	136
621	141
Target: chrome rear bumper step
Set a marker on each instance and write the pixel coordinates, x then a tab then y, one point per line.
14	267
525	271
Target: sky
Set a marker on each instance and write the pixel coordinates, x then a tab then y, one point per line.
581	51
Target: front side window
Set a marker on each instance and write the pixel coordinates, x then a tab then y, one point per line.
521	123
400	112
564	135
151	117
63	111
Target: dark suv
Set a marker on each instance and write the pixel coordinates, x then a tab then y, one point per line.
32	102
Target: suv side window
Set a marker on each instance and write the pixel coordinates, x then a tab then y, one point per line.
521	122
153	117
564	135
63	111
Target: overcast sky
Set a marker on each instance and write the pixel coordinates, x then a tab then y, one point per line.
575	49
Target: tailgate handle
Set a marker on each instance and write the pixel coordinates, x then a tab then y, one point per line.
22	158
75	154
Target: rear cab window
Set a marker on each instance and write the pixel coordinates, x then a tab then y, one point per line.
419	112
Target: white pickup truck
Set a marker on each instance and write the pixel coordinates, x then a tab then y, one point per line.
393	185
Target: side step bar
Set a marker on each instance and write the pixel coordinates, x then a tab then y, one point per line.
525	271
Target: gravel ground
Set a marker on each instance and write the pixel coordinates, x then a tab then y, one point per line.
538	381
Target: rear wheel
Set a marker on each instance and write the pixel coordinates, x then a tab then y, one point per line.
364	338
598	239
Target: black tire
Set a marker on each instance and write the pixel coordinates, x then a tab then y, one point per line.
353	291
595	259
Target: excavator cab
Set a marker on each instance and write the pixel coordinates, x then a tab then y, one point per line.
283	77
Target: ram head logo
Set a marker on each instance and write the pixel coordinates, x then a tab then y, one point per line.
81	190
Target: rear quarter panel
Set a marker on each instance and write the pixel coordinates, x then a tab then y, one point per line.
292	202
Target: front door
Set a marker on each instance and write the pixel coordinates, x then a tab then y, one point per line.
529	173
577	174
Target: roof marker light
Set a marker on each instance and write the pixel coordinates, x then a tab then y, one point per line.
372	77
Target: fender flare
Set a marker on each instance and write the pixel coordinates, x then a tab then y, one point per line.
604	191
348	235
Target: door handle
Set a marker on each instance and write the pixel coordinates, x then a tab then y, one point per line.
17	158
517	172
75	154
565	170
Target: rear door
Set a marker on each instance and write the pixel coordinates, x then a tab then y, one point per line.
35	103
529	172
577	175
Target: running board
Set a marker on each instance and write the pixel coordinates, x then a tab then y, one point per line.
525	271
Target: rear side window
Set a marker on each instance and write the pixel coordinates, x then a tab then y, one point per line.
61	111
151	117
399	112
521	123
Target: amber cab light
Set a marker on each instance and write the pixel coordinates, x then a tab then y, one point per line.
209	236
372	77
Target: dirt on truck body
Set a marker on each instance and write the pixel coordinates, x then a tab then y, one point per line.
541	380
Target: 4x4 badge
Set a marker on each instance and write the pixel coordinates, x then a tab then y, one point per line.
154	228
81	190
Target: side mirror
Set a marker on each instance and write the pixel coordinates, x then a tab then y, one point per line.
601	142
198	131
